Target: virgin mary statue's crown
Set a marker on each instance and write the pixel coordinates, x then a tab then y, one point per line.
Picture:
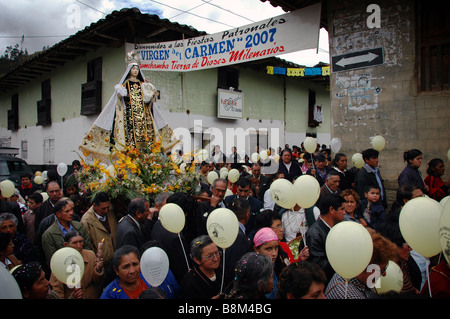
133	57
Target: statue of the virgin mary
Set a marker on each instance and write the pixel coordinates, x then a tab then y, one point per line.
129	118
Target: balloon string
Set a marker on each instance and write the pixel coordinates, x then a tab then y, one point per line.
223	271
303	236
346	287
184	252
428	277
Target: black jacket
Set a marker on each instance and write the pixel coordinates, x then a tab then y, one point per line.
204	209
294	171
45	210
129	233
316	237
175	250
195	285
232	254
365	178
255	207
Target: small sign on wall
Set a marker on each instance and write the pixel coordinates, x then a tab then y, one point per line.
230	104
357	60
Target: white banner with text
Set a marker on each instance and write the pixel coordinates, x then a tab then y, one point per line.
286	33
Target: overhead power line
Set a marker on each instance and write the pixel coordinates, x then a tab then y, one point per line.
33	36
227	10
91	7
196	15
187	11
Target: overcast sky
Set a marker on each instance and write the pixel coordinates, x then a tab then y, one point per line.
46	22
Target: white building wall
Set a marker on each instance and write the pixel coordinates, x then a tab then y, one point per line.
275	106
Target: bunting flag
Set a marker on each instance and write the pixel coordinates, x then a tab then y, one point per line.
324	71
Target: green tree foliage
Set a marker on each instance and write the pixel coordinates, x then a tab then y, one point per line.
13	56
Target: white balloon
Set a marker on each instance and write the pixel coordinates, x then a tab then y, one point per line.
335	145
9	287
67	265
444	231
255	157
7	188
358	160
44	196
307	190
444	201
211	177
349	248
419	224
228	192
391	281
378	142
38	180
172	217
223	173
276	158
202	155
222	226
154	266
282	192
263	155
61	169
233	175
310	144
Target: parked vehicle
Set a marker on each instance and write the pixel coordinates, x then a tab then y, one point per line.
12	168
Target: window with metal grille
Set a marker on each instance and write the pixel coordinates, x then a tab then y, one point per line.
44	105
49	151
24	149
13	113
91	91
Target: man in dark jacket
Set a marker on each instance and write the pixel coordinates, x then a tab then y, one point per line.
175	245
332	212
205	208
54	194
242	244
264	182
243	191
129	229
369	174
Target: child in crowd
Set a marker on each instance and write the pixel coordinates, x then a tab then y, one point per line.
372	207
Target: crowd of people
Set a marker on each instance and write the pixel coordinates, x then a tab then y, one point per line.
278	253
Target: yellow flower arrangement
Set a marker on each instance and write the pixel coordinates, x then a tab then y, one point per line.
135	173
